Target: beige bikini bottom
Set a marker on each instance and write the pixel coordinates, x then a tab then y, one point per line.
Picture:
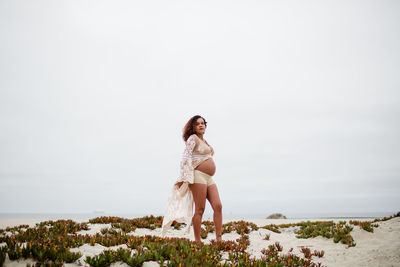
203	178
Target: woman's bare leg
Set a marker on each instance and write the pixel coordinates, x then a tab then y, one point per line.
199	195
213	198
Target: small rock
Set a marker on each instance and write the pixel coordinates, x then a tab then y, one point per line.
276	216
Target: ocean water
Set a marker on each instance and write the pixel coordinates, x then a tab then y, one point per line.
206	216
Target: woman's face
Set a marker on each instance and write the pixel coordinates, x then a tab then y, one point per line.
199	126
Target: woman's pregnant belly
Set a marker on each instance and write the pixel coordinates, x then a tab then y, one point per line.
207	166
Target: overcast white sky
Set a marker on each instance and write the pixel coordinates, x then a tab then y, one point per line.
301	98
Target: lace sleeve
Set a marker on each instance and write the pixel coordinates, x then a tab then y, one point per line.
186	168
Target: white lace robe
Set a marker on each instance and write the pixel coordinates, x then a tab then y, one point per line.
180	202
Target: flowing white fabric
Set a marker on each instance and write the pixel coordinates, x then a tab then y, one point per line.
180	202
179	208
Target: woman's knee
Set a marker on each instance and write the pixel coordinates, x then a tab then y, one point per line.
218	207
199	210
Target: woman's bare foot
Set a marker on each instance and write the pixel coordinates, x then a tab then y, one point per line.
219	238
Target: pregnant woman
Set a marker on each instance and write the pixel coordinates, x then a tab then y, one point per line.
194	183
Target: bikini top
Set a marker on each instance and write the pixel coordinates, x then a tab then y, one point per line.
196	151
202	148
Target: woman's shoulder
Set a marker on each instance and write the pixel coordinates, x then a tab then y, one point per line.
193	137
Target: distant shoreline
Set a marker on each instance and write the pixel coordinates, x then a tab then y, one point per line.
207	215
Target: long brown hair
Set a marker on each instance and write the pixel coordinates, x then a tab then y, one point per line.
188	130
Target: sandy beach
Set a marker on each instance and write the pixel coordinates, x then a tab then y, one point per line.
378	248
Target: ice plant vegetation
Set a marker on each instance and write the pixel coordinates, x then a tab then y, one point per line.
367	226
49	243
338	231
267	236
3	253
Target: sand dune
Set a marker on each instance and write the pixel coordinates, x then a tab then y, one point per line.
380	248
